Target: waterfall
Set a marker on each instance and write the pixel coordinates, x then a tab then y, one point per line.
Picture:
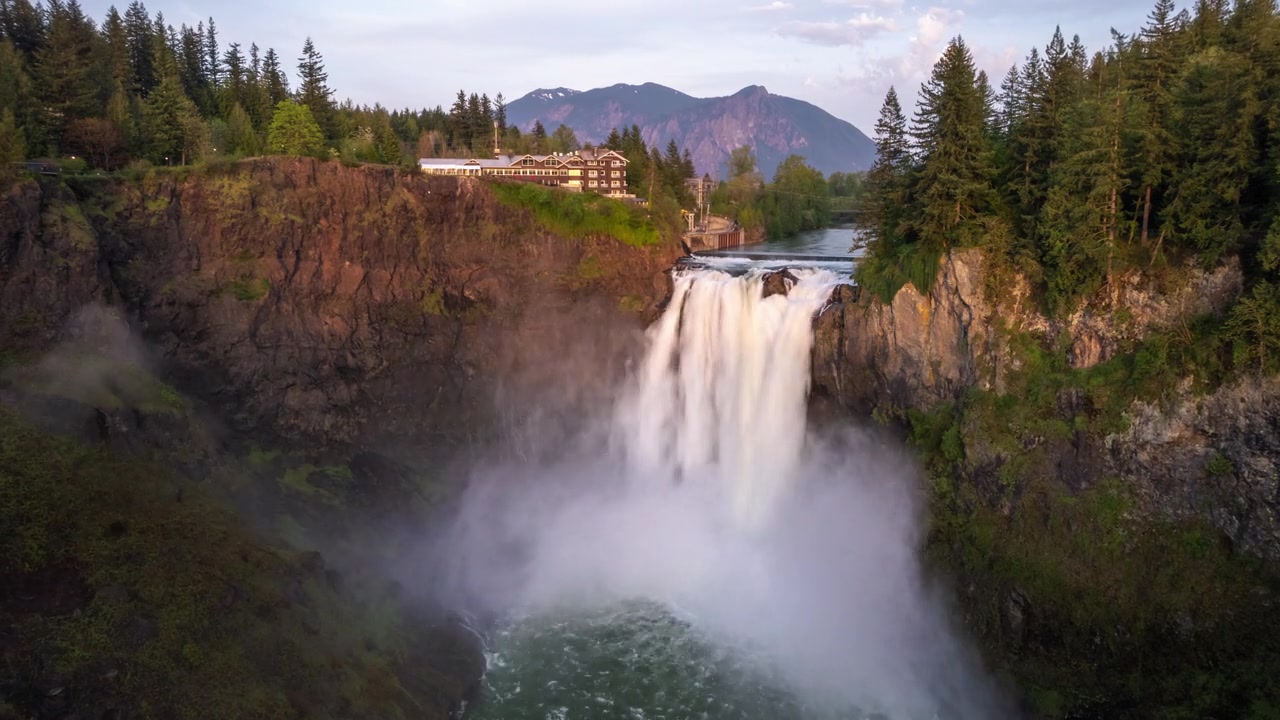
701	492
720	394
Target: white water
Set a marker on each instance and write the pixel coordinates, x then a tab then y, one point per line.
721	393
705	492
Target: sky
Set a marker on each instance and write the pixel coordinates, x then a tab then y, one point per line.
841	55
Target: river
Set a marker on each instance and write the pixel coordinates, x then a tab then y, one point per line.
827	243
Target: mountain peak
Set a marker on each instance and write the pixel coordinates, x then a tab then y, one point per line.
553	94
708	127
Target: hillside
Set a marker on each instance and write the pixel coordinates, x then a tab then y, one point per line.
776	126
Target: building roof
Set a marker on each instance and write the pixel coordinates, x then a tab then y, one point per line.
506	161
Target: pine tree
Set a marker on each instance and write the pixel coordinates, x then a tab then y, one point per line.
539	137
274	80
212	61
886	179
64	68
953	187
313	87
168	112
117	40
459	128
13	145
614	141
235	79
22	24
1214	112
500	114
137	24
1156	68
243	139
121	115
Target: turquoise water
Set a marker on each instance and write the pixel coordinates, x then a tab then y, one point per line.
829	242
636	661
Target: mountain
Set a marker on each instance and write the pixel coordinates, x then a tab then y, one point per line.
774	125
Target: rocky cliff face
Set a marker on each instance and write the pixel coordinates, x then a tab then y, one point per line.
1212	457
318	302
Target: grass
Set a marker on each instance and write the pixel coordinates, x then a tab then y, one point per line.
580	214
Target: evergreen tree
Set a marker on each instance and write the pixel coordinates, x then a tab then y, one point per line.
313	86
212	63
137	24
15	84
539	137
459	128
23	24
953	186
192	67
886	181
500	114
117	39
274	80
235	79
614	141
64	68
168	113
1213	118
13	146
121	114
242	137
294	131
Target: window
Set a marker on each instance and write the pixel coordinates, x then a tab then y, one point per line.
615	173
614	163
615	183
527	162
592	183
593	163
591	173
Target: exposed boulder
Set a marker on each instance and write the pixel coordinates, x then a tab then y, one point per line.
777	282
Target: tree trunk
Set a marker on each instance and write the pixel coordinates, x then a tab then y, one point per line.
1146	216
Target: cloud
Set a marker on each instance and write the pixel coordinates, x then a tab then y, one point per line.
834	33
775	5
866	4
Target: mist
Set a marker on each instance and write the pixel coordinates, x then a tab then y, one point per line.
700	487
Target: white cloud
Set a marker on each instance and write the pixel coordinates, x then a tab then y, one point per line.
866	4
833	33
775	5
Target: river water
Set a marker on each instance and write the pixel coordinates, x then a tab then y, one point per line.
828	243
705	554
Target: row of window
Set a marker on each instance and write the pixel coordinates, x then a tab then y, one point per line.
604	183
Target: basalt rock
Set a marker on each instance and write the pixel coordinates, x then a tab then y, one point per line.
778	282
316	302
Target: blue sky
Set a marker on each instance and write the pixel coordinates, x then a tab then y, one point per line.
841	55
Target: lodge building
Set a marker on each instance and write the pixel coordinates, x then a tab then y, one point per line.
598	171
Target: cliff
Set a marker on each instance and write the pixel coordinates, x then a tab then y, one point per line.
1102	492
318	302
307	343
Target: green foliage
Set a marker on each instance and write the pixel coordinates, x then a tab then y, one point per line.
13	143
294	131
796	200
201	619
1219	465
580	214
249	289
1121	612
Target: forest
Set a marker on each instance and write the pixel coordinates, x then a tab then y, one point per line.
1158	152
